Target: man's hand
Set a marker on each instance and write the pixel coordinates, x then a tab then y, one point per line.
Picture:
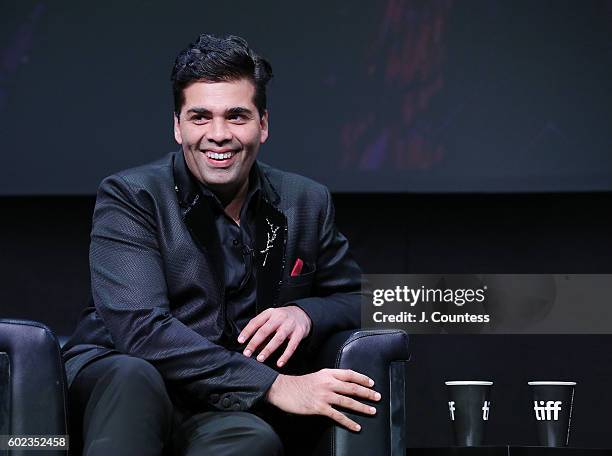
287	322
315	394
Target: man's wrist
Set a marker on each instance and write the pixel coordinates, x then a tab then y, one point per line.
308	319
274	388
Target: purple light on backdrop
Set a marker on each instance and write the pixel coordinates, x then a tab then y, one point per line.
403	66
15	53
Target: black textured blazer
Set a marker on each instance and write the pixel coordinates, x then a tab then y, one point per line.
157	278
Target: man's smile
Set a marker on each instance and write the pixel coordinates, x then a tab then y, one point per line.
220	159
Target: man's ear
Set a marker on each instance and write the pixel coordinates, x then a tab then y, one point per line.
264	123
177	130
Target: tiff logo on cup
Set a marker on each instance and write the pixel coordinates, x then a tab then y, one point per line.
547	411
485	410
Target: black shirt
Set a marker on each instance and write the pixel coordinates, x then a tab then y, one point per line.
237	243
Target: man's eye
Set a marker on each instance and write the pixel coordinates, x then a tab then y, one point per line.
198	119
238	117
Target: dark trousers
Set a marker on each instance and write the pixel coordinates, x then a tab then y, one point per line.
119	405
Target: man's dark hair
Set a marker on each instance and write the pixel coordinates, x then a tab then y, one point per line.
214	59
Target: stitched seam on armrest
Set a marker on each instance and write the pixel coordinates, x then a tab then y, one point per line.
361	336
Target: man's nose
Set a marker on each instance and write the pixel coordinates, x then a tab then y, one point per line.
218	131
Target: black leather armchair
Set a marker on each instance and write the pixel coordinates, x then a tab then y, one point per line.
32	382
381	355
33	399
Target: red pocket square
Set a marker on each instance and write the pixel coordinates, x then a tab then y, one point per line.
297	268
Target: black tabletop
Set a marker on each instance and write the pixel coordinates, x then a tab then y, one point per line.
507	451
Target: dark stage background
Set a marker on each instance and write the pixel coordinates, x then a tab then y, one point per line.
388	95
467	137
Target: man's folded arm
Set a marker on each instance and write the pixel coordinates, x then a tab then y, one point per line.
336	293
130	294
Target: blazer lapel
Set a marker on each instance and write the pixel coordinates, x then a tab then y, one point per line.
199	218
270	242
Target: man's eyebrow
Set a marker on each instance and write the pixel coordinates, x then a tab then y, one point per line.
198	110
239	110
231	111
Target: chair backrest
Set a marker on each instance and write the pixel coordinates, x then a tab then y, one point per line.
32	381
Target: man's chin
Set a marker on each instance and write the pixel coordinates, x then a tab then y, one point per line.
220	178
217	174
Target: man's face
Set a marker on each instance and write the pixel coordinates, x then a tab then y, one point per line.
220	131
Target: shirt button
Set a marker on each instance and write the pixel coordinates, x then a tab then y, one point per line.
225	402
235	242
236	406
214	397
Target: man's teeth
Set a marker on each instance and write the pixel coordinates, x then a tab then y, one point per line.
217	156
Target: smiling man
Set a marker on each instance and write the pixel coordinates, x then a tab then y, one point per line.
213	276
220	130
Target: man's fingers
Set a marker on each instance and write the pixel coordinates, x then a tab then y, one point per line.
352	404
253	326
274	343
262	334
342	419
347	375
353	389
294	341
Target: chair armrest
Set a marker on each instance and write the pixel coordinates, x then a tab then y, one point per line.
381	355
34	383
